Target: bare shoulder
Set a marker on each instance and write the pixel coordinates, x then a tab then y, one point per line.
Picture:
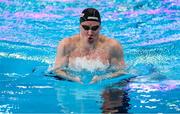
69	43
115	49
110	42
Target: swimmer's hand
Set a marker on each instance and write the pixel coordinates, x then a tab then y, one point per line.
61	73
77	79
95	79
74	79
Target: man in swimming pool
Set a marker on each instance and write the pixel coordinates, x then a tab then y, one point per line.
89	44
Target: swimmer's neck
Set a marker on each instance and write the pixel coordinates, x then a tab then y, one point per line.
88	46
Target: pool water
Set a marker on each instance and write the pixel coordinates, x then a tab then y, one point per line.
149	31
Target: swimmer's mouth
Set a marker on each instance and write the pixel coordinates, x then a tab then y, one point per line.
90	39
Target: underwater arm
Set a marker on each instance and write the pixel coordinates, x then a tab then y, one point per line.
107	76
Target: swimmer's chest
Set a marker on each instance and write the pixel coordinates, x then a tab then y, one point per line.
98	54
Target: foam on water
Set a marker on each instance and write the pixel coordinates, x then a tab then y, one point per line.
82	63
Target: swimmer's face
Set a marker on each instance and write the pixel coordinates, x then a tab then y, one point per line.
89	31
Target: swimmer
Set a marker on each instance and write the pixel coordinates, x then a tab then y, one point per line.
89	45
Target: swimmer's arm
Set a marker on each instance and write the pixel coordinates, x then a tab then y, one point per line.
62	60
65	75
117	60
107	76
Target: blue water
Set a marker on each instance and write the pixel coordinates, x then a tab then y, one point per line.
149	31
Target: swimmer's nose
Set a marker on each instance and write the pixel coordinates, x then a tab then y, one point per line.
90	32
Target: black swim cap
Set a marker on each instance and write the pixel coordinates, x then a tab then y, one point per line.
90	14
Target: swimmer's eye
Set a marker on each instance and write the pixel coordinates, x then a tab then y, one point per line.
93	28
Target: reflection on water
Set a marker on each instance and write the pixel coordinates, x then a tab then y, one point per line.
116	100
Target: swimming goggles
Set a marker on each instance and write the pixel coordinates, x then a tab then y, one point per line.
93	28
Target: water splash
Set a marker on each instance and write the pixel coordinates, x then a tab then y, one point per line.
82	63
